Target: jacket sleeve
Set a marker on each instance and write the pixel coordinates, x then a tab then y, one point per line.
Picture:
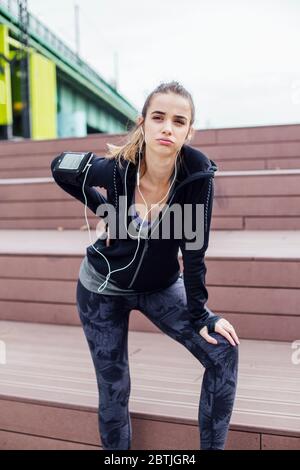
194	268
99	174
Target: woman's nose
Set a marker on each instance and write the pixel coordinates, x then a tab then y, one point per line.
167	127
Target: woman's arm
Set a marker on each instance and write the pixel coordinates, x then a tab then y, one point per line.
194	267
99	174
194	278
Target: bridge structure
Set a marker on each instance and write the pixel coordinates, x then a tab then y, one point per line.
47	90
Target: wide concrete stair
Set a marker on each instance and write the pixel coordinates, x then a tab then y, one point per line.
49	398
252	279
245	148
244	200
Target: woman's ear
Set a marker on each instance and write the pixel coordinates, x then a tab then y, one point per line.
190	134
139	120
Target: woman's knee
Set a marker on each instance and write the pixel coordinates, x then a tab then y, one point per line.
222	351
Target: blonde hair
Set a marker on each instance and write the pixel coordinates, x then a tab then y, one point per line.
134	138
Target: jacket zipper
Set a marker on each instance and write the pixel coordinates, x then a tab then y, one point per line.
194	176
191	178
140	262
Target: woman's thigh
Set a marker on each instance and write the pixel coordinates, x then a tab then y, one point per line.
105	322
168	310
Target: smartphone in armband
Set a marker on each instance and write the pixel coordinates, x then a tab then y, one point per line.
71	164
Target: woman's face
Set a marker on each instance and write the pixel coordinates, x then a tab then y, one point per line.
168	117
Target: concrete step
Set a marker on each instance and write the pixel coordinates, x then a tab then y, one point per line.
253	280
48	393
244	200
245	148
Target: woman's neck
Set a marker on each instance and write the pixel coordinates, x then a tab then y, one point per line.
156	175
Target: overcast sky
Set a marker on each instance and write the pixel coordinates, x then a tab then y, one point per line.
238	58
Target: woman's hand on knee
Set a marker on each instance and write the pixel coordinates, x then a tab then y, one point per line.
224	328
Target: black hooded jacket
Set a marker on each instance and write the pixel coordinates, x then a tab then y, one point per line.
156	263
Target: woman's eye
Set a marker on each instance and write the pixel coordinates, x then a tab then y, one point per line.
179	122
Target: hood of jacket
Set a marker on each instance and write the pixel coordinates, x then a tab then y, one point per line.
195	164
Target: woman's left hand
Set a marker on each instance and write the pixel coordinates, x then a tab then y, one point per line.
224	328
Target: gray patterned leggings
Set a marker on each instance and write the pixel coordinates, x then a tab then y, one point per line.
105	322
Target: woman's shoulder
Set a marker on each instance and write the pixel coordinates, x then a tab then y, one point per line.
196	160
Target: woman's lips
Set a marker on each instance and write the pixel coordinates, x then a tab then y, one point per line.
165	142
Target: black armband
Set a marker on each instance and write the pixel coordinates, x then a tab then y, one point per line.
70	165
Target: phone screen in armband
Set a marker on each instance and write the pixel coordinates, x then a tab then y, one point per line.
71	161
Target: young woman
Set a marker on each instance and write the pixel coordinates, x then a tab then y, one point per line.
156	169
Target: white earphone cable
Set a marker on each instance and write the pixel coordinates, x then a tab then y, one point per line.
104	284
